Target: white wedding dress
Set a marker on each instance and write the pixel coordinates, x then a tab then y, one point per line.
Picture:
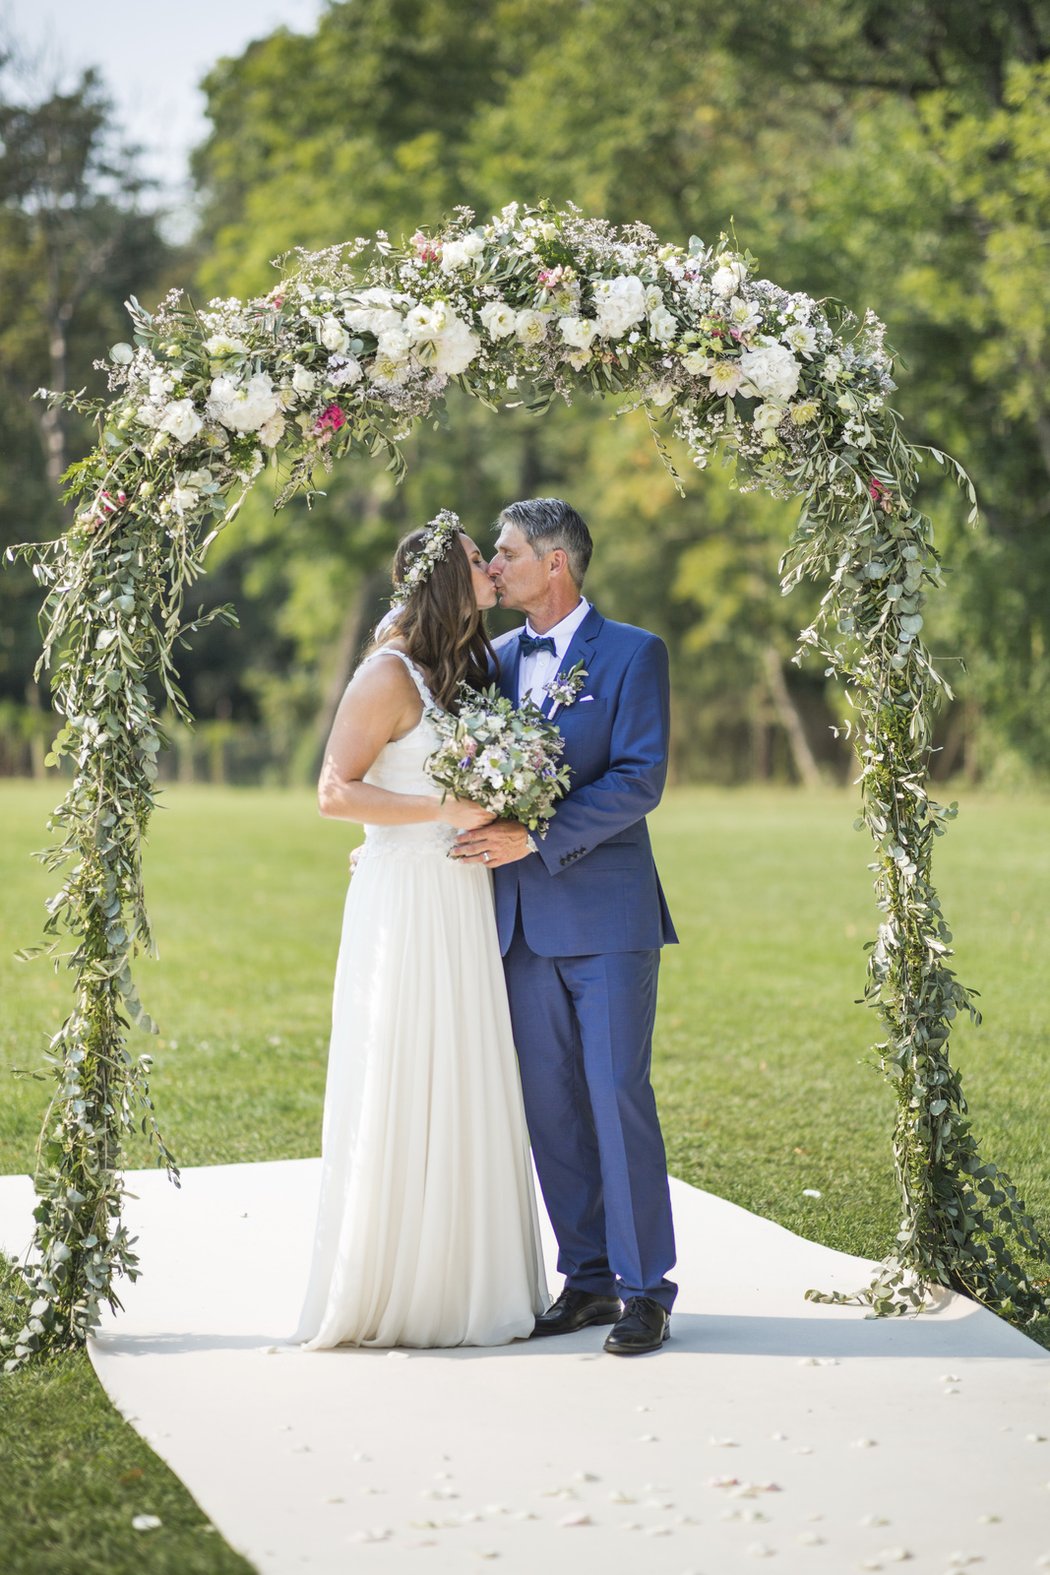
427	1230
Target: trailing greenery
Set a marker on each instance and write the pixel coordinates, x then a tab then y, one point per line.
344	357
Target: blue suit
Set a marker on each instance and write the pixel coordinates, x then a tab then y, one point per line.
581	923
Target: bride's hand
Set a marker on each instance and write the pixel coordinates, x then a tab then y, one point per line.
464	814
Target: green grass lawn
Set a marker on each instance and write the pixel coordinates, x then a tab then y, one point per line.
761	1058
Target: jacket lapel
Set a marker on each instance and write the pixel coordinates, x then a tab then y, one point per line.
509	668
579	648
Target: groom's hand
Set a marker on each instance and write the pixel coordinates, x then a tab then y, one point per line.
504	841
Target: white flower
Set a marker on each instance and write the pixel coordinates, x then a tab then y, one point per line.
654	297
743	315
619	304
696	362
770	371
497	319
343	370
804	412
181	420
303	380
577	359
725	378
832	368
334	336
662	326
426	322
455	347
387	372
728	276
243	407
222	345
121	353
394	344
767	417
660	393
183	499
577	331
530	327
460	254
374	312
801	339
272	430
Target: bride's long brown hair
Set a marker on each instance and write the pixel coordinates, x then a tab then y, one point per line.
441	624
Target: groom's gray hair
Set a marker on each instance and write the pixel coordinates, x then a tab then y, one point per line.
547	523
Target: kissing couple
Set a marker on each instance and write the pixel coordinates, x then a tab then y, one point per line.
488	978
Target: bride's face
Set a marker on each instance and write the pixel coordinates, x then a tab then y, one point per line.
484	590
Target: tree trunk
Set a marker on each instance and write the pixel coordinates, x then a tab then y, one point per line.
37	750
52	422
352	637
789	719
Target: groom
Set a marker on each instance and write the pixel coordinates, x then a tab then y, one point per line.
581	920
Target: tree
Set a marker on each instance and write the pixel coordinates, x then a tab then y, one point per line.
74	242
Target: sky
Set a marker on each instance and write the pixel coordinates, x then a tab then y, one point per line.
152	54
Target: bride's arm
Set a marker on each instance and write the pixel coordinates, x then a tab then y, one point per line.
379	704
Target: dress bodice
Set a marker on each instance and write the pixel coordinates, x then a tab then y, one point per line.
400	768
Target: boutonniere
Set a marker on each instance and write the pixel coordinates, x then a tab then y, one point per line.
564	689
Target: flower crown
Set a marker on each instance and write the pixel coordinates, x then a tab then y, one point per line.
441	532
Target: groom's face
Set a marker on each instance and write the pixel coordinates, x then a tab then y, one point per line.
518	575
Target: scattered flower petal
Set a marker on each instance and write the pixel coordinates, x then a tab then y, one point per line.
145	1522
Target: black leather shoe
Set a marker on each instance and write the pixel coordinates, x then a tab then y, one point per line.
644	1326
576	1310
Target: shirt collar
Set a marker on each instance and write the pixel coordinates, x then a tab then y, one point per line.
563	632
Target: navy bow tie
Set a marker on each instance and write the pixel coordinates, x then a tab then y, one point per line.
531	642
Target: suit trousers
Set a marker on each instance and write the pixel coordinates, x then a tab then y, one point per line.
583	1029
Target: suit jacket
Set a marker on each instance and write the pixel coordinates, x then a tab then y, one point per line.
593	886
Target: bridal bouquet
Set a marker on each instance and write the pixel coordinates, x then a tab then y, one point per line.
502	756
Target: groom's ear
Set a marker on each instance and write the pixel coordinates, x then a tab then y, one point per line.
558	562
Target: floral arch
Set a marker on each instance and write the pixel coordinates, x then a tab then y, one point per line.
343	357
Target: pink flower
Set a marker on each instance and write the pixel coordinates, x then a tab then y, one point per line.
880	494
427	249
330	420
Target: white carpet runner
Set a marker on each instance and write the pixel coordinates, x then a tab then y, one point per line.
769	1430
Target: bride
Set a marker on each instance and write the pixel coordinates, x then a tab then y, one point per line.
427	1230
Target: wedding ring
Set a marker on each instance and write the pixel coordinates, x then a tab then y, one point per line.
485	855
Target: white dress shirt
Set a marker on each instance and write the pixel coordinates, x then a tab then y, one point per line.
539	667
